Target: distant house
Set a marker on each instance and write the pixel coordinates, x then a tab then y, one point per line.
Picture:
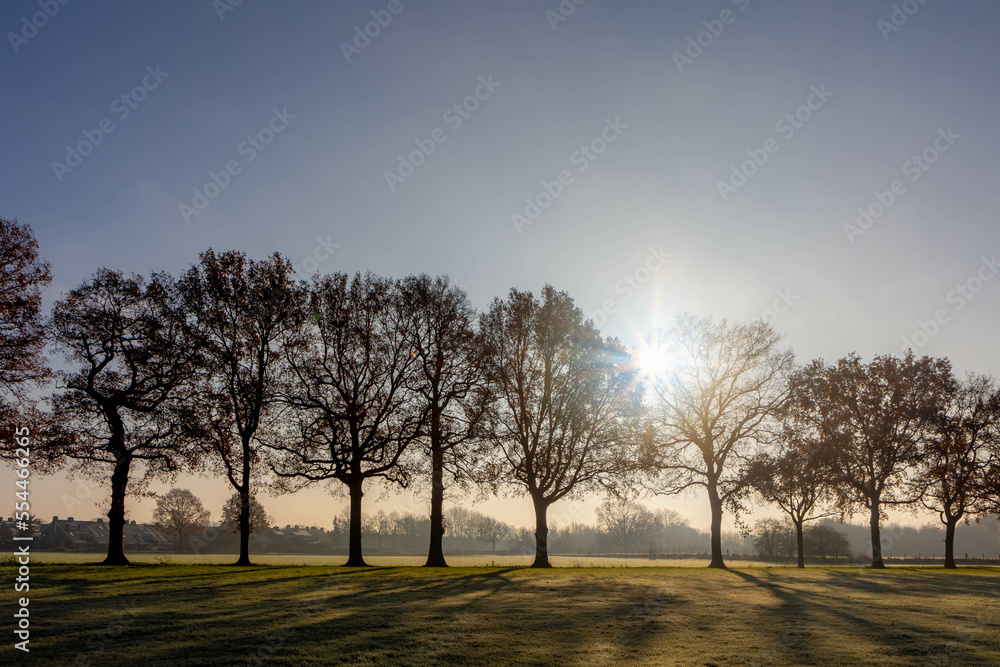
70	534
8	529
293	539
297	536
144	537
62	534
7	533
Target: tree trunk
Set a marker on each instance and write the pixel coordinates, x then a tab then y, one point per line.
355	557
716	503
245	509
949	542
116	515
800	543
541	534
876	537
435	556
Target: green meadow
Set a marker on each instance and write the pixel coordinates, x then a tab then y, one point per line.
165	613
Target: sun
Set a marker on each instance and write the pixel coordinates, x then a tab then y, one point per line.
654	361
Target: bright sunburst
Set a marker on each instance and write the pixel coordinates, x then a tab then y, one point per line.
653	360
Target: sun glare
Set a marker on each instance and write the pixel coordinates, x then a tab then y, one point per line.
654	361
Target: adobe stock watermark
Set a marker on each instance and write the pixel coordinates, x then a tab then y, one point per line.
98	642
562	12
248	149
223	7
85	490
363	35
30	25
781	305
958	298
323	251
301	614
915	168
454	116
581	158
640	619
901	13
630	283
122	106
975	629
786	126
714	28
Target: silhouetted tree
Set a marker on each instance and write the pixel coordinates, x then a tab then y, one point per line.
566	402
460	523
524	540
712	407
796	479
244	310
232	515
449	380
626	521
383	525
825	541
23	278
773	538
955	461
988	491
353	414
180	514
134	361
492	530
876	417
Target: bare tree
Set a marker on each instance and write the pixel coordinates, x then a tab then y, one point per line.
383	525
460	523
566	406
135	360
180	514
796	478
489	529
450	382
713	407
988	491
823	541
955	462
353	415
232	515
773	538
23	278
626	521
244	310
876	419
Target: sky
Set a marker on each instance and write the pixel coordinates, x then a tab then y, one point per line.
829	167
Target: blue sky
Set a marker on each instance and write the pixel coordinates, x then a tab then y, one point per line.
644	227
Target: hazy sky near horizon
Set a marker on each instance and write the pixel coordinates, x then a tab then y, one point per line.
651	113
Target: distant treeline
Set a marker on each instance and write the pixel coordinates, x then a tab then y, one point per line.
623	527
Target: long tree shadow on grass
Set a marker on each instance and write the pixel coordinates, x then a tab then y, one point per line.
331	616
804	612
316	615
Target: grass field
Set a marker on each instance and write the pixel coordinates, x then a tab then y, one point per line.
184	614
385	561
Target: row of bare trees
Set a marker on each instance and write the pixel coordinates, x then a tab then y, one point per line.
895	432
235	368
